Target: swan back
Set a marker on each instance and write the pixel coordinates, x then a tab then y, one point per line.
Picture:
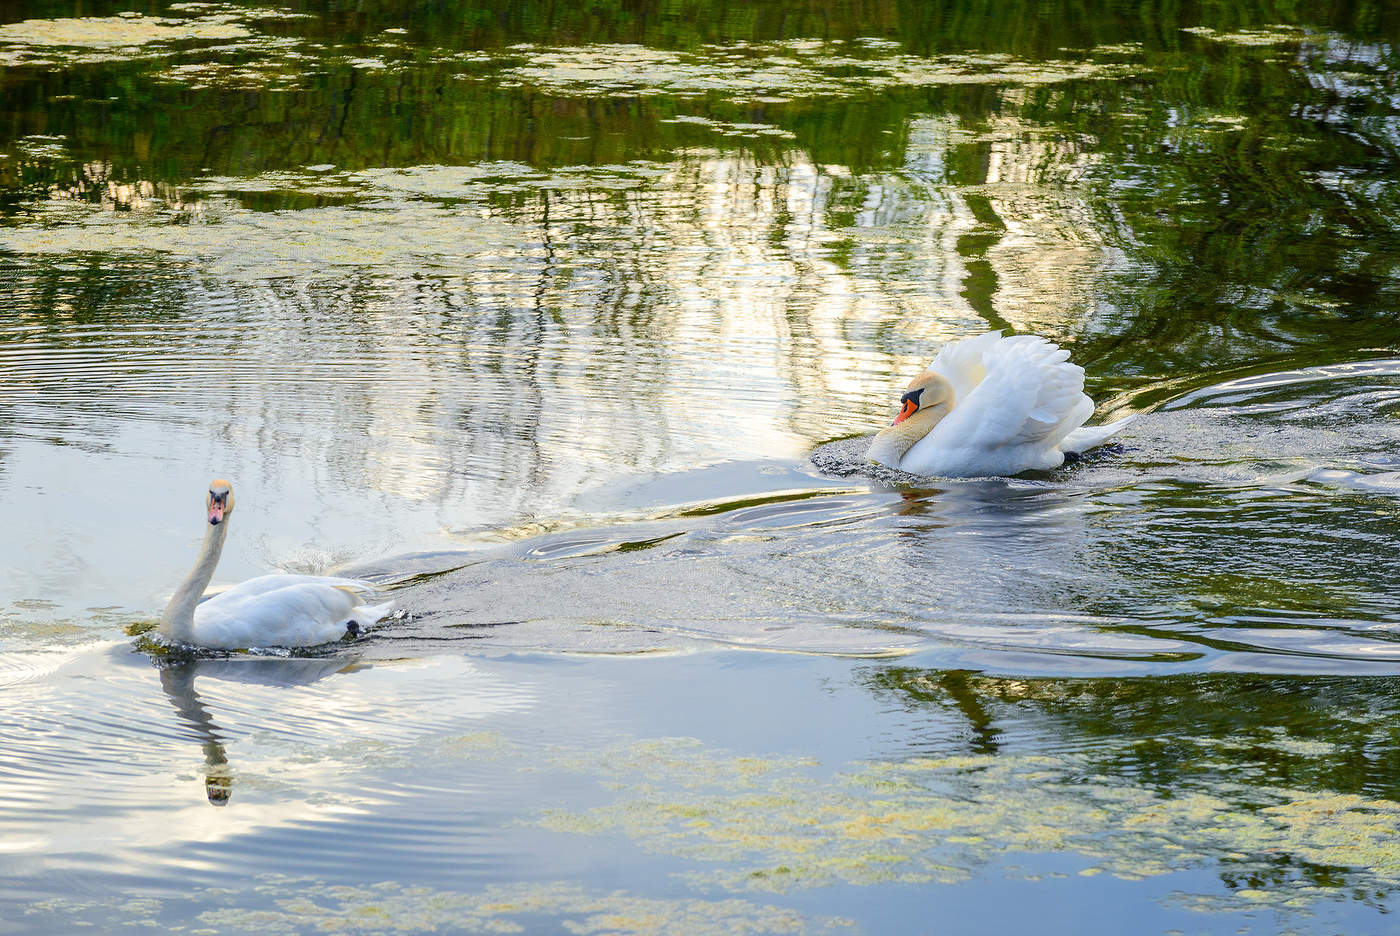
1031	393
288	611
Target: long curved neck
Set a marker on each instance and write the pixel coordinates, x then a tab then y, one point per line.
892	442
178	620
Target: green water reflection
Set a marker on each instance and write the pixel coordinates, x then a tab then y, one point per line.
1240	168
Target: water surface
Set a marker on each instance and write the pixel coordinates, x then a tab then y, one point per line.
566	327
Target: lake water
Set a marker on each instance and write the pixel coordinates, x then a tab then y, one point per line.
565	324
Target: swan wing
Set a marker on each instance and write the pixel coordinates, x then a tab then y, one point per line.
1031	396
300	614
964	363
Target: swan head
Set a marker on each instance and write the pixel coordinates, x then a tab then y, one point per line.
926	400
219	503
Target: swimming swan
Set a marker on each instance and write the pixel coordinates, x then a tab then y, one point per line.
992	406
268	611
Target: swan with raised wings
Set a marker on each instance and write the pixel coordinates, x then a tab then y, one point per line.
992	405
268	611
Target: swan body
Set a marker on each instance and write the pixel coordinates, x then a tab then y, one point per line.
992	405
268	611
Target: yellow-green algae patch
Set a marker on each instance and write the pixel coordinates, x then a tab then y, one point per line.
1262	36
439	215
89	39
279	64
289	905
774	71
681	761
42	147
227	239
215	44
105	32
778	825
39	623
138	628
266	13
727	128
476	746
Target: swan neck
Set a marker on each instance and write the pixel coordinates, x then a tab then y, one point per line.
177	622
893	442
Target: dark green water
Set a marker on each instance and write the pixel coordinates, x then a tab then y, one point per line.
552	319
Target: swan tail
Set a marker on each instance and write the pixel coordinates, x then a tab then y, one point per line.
369	615
1086	437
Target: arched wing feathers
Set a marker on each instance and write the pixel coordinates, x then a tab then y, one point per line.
1029	395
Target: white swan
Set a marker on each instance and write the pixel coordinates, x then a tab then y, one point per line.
992	406
268	611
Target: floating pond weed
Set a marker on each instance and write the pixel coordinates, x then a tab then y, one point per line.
776	71
293	905
25	41
780	824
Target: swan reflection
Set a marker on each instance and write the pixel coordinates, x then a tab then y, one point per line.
178	681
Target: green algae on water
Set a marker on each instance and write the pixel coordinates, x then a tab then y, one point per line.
295	905
107	38
223	237
1262	36
774	72
106	32
776	825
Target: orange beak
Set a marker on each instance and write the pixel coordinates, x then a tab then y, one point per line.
910	407
216	511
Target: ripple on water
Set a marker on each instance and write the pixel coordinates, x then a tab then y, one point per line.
255	728
1210	537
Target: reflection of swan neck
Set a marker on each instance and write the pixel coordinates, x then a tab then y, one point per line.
177	622
178	683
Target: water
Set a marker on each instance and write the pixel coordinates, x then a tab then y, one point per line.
567	326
